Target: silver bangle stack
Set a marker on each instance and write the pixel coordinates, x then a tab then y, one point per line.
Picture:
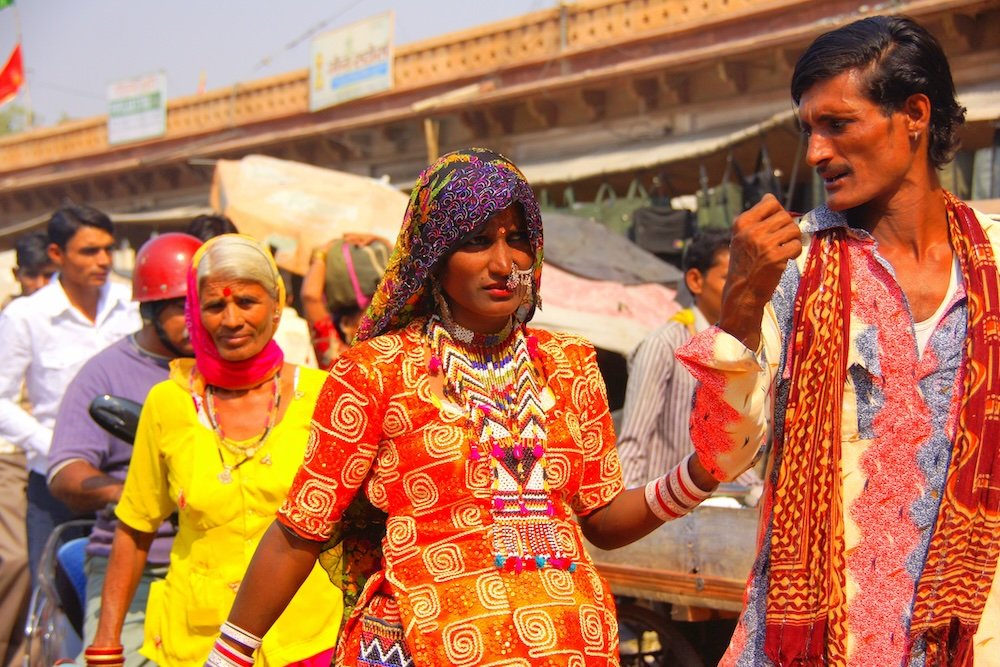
224	655
675	494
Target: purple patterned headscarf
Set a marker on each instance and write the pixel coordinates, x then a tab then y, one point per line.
453	197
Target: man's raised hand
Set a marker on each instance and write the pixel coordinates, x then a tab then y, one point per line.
765	237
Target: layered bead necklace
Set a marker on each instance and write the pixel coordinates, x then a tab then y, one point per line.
246	451
494	380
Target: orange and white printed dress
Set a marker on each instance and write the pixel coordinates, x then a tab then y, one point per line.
461	602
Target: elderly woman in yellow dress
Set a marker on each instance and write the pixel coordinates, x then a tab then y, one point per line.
218	443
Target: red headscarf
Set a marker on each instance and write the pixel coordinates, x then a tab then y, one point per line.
210	364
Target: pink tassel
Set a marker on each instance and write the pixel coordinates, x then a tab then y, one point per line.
533	346
498	504
434	365
497	452
550	510
518	451
538	451
474	454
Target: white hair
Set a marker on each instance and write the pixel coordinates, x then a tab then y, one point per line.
236	257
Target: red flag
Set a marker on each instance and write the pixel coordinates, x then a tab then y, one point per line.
12	76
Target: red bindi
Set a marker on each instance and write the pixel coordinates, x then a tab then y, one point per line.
226	291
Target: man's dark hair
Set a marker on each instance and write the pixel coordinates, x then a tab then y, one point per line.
70	217
703	250
32	253
897	58
209	226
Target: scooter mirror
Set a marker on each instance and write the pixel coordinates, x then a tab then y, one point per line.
118	416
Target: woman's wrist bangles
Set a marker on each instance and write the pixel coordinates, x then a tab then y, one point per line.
224	655
104	656
240	636
675	494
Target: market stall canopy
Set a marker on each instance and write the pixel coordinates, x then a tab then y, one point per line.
296	207
981	100
646	154
588	249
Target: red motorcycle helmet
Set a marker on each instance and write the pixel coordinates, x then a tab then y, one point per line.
161	267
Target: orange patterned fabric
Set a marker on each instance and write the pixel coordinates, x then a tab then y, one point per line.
806	611
963	552
378	428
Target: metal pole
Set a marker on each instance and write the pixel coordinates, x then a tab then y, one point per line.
432	133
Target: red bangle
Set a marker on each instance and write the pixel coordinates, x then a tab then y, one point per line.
105	661
104	656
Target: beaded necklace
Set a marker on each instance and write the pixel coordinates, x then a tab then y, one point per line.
493	378
248	451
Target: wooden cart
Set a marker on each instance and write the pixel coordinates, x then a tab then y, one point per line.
700	560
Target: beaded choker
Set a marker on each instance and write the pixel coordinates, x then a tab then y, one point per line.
468	336
248	451
494	380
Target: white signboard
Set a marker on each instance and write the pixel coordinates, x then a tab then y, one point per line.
137	109
351	62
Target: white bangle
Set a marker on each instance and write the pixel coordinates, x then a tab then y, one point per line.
687	486
675	494
241	636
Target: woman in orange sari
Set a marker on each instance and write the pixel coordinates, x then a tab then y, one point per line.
487	444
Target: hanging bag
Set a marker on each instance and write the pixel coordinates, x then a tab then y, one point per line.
660	228
718	206
609	209
763	179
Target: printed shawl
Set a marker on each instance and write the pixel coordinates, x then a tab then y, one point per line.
453	197
806	600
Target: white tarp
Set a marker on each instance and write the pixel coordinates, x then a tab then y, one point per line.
610	315
297	207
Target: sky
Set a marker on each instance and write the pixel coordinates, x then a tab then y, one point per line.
72	49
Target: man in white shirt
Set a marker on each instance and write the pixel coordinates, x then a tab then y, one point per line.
47	337
33	271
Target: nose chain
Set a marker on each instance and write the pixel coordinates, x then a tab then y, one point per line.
520	277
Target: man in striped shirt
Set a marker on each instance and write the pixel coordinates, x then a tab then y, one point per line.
654	434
